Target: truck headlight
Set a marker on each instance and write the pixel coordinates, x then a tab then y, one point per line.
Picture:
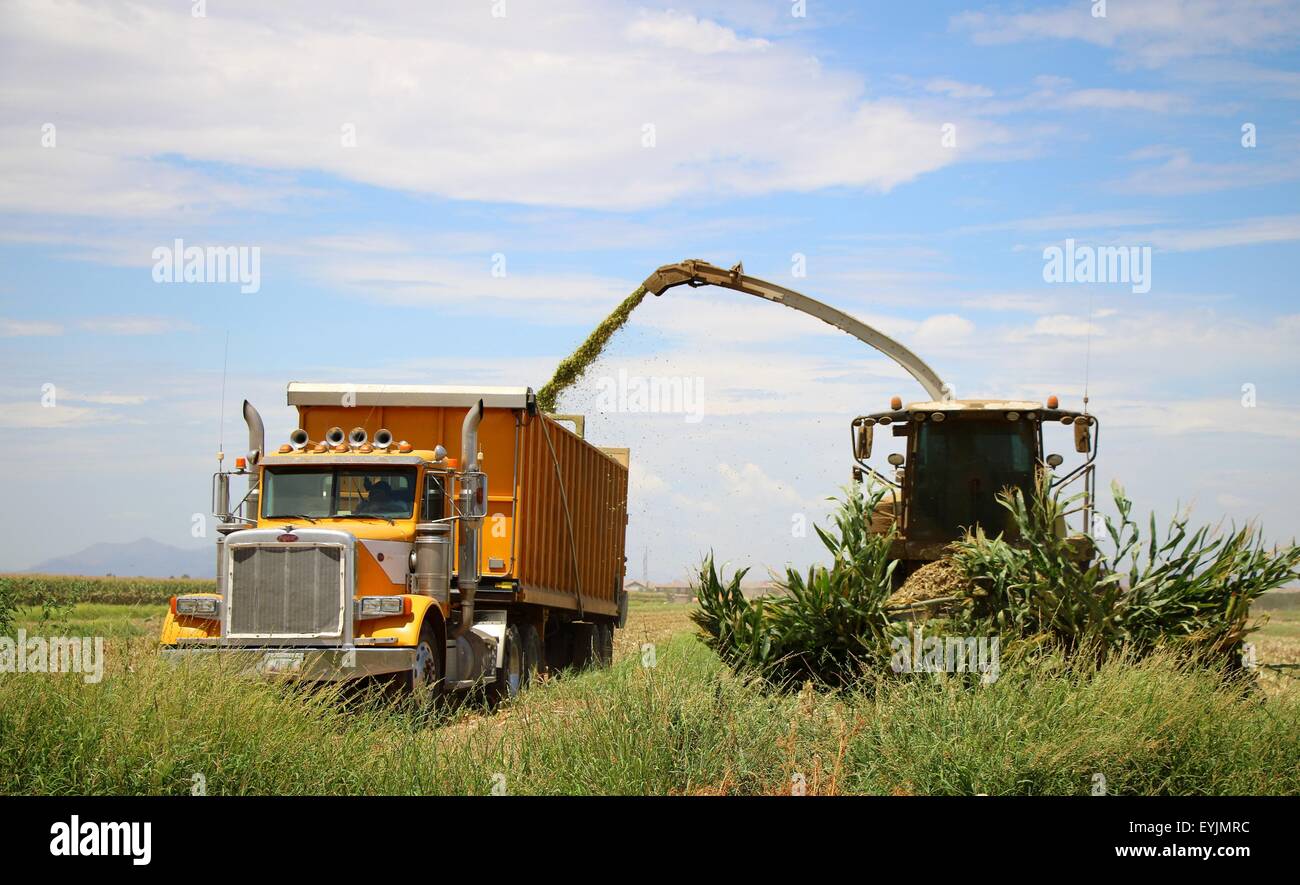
207	607
381	606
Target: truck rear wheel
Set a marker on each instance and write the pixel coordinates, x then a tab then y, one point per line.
584	645
558	646
532	648
604	644
593	645
510	675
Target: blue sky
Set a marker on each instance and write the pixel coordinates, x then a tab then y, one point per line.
524	136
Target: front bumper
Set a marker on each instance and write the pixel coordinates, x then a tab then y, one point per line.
310	664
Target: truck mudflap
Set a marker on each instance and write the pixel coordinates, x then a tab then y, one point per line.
309	664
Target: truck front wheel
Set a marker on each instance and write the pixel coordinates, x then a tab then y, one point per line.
425	677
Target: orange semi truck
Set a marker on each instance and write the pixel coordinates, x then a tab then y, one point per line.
451	537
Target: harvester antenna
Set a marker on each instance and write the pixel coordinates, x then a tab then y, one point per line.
1087	356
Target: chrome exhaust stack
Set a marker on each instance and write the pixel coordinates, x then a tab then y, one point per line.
472	505
256	448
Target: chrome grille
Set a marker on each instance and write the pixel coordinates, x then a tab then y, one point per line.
286	590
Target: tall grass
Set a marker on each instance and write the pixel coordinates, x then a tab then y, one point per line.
686	726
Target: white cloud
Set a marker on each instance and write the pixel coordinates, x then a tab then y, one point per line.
546	106
1124	99
1246	232
642	482
750	482
1181	174
107	399
135	325
1070	222
943	330
958	90
1149	32
1064	325
1054	94
464	286
673	30
34	416
28	329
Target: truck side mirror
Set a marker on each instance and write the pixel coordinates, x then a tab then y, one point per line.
473	495
862	446
896	459
1055	461
1082	436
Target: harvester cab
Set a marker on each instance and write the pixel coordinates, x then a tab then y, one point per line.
958	454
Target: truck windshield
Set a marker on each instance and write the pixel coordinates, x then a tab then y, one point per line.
322	494
957	470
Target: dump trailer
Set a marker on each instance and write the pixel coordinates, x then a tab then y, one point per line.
450	537
958	454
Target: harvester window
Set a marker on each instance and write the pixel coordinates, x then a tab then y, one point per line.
960	467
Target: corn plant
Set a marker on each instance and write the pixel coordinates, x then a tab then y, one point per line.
825	626
1038	587
8	604
1190	589
1193	588
730	624
41	590
1186	590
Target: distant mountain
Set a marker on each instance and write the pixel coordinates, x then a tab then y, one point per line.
144	558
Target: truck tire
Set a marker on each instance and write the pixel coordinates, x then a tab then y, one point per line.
510	675
558	647
584	645
424	681
532	647
604	644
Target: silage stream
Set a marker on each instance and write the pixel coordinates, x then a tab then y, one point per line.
572	367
